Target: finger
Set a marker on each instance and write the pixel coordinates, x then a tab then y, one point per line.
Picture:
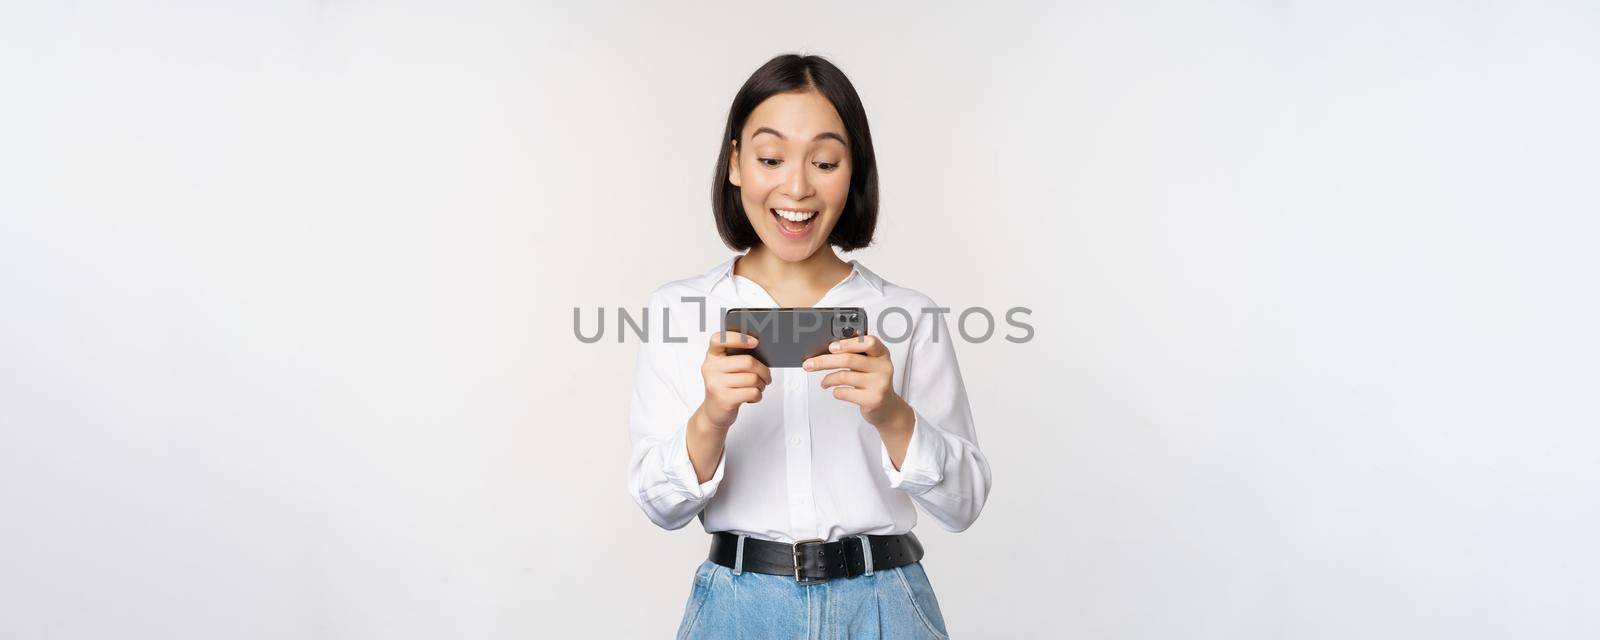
735	363
722	341
863	344
846	377
739	380
744	363
745	394
851	394
854	361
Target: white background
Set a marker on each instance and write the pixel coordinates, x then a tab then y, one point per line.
286	295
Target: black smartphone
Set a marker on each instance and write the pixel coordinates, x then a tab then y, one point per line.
789	335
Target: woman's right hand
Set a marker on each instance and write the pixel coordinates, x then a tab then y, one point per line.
731	380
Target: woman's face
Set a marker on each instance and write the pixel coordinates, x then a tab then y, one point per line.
792	167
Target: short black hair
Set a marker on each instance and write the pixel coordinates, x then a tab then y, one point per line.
793	73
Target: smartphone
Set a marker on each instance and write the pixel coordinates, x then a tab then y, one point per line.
789	335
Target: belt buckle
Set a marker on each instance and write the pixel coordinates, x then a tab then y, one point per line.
795	548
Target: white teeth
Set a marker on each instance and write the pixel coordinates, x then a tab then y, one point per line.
795	216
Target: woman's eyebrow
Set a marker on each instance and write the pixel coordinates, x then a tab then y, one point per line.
825	134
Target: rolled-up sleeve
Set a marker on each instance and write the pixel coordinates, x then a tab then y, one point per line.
944	471
661	478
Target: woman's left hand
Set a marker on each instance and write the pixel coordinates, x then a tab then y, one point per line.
865	378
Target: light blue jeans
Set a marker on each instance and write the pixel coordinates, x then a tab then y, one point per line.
891	604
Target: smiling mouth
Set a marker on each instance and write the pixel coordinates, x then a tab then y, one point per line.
794	222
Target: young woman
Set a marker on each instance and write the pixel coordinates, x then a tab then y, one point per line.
808	478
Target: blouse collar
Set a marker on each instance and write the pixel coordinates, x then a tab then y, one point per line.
722	274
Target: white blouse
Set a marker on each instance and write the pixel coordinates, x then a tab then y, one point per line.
800	463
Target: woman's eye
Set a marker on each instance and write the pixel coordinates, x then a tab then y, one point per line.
774	161
827	166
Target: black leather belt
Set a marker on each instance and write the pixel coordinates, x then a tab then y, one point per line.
815	561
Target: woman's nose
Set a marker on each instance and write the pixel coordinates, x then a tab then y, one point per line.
797	184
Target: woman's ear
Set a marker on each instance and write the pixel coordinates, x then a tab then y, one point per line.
733	163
